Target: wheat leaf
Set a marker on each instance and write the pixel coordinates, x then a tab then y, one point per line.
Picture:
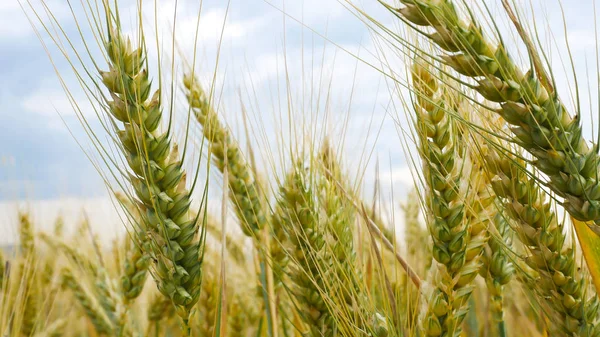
590	245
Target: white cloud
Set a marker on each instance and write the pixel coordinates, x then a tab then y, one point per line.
14	21
209	28
400	175
53	105
52	102
582	40
48	103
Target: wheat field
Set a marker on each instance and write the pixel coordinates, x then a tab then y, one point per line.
224	224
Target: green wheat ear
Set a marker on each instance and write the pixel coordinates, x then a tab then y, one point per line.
338	217
297	209
458	234
157	175
539	121
244	189
559	283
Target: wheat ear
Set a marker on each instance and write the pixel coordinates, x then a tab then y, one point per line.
28	265
417	255
559	283
540	121
207	304
234	246
225	151
92	308
55	329
237	320
297	202
457	244
157	175
159	308
279	245
497	269
135	266
339	217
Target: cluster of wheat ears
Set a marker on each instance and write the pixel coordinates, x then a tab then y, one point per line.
500	233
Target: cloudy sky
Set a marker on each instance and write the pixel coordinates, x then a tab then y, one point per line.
275	57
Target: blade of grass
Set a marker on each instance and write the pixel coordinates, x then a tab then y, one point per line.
590	246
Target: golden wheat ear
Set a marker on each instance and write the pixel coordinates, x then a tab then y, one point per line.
94	311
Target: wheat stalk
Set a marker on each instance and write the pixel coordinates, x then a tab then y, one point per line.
3	267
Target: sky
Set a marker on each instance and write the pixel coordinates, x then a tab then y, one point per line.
312	57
